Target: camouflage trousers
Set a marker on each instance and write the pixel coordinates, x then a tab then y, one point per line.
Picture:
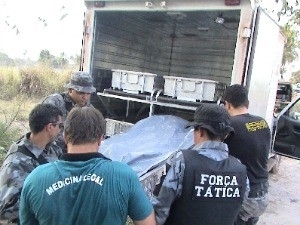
251	209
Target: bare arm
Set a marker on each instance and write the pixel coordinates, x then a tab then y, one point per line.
150	220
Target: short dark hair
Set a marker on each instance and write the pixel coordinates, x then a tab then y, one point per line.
237	95
41	115
211	135
84	125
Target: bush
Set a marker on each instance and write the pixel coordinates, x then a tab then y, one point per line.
10	80
42	81
13	121
12	114
21	90
7	136
35	81
8	132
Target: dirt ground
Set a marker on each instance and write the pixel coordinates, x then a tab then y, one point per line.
284	207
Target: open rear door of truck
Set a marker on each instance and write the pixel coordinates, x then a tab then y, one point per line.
287	131
263	71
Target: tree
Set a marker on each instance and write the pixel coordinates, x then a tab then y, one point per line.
290	53
51	60
5	60
45	56
62	60
295	77
290	9
76	59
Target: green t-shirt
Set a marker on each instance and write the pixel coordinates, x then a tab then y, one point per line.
93	191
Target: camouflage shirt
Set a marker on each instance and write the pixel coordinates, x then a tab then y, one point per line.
64	102
172	184
15	169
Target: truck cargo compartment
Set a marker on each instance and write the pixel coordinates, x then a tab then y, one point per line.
167	43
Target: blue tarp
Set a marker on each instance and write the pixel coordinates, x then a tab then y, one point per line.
149	142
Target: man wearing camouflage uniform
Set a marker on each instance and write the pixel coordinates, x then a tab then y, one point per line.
79	92
204	185
33	149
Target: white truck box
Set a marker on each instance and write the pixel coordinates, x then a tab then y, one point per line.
194	39
189	89
135	82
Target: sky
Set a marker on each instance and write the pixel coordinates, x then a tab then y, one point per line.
55	25
30	17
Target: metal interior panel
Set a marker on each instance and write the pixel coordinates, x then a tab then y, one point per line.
187	44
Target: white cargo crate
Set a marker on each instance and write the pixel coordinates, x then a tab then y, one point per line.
116	127
135	82
189	89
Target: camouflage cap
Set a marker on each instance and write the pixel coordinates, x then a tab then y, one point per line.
81	81
214	118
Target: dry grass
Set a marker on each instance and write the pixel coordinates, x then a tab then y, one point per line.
41	81
10	80
21	90
32	82
17	108
14	120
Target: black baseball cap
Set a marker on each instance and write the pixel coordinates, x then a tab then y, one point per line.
214	118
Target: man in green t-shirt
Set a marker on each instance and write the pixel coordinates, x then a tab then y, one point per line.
83	186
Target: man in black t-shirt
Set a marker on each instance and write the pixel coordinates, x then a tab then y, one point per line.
250	144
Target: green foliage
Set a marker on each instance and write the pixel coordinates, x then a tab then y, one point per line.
5	60
290	9
290	53
76	59
9	82
42	81
13	115
8	132
295	77
16	110
45	56
35	81
21	89
7	136
50	60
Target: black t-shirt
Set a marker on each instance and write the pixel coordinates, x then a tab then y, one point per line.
251	144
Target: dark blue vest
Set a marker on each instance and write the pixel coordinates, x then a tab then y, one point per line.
212	191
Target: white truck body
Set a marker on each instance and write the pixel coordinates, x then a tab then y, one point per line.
182	39
186	39
266	58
